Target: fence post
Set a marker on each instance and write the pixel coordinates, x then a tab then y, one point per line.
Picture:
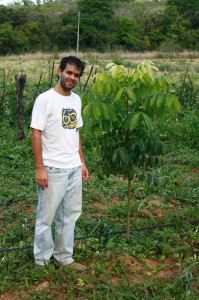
20	83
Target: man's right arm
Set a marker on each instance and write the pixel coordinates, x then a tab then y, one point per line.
41	174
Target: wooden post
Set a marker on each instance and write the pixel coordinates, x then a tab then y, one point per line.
3	95
91	70
38	86
78	23
51	76
20	83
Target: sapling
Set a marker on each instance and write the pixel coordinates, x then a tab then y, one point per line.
121	111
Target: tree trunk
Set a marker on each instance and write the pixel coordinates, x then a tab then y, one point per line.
20	83
128	210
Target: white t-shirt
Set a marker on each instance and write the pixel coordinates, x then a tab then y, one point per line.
59	118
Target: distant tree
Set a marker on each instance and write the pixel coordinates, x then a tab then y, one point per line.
48	18
4	14
27	2
7	39
182	19
104	24
18	15
95	22
146	16
67	36
125	32
29	34
187	10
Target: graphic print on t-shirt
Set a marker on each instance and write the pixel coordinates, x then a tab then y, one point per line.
69	118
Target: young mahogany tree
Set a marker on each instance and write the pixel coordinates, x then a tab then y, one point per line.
120	111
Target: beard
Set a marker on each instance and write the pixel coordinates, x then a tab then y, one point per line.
64	86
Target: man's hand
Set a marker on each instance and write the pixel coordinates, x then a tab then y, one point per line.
84	172
41	174
42	178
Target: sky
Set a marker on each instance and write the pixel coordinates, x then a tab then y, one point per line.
5	2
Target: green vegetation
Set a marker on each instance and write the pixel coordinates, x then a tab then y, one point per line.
139	25
120	110
160	259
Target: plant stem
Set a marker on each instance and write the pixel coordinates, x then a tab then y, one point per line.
128	210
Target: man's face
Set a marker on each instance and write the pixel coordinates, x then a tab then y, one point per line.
69	77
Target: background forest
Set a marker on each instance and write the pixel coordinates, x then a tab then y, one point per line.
133	25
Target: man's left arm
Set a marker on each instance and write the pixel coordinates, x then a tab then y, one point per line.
81	154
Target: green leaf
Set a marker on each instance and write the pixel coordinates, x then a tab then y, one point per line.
142	146
168	79
157	86
151	161
135	75
129	92
123	155
154	68
134	98
148	121
114	157
175	103
169	101
109	66
160	100
149	178
141	176
98	87
155	180
87	110
156	148
96	110
104	110
118	71
134	121
162	84
119	94
111	112
153	100
164	149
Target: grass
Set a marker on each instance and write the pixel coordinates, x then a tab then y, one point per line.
40	63
160	261
119	269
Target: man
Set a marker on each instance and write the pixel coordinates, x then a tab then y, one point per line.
60	166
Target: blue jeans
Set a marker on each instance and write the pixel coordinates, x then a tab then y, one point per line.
62	199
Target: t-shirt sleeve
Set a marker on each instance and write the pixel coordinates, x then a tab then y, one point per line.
38	119
80	122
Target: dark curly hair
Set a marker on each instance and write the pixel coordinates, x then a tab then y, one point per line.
72	60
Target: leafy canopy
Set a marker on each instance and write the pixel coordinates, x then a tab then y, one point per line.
121	109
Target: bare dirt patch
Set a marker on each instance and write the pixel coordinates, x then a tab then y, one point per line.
17	207
131	272
14	295
99	209
114	200
153	209
195	170
140	271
